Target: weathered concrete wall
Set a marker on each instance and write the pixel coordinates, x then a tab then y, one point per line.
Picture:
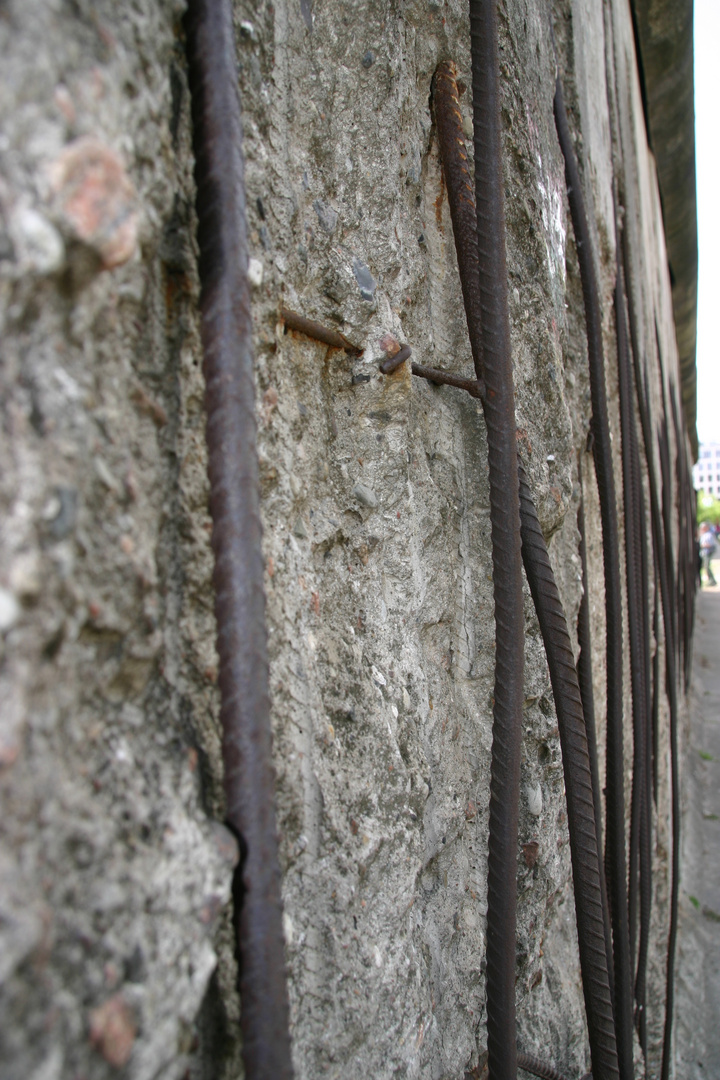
113	870
116	871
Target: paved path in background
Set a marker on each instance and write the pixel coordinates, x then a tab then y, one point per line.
697	1011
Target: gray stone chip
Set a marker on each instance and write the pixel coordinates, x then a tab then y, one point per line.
364	279
326	216
365	495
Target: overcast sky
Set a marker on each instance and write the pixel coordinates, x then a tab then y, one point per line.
707	150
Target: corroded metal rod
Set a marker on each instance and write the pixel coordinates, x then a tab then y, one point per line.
461	199
635	569
581	809
499	410
638	572
585	680
392	363
226	327
662	555
616	863
315	330
538	1068
579	786
671	690
473	387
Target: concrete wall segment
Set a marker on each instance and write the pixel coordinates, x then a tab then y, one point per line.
115	871
114	877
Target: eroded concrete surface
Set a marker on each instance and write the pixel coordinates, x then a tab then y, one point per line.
115	870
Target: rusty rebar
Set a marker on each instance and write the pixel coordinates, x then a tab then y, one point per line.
635	568
649	446
539	1068
474	387
655	749
663	564
616	865
592	917
642	715
392	363
640	862
461	199
315	330
671	690
581	812
226	328
667	505
582	826
499	410
585	680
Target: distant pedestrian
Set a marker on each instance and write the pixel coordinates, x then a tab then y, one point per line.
708	545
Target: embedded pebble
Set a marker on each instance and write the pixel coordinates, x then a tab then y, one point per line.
365	280
95	199
534	799
306	9
255	273
61	512
39	243
24	575
530	853
389	344
112	1031
105	475
288	928
326	216
9	610
365	495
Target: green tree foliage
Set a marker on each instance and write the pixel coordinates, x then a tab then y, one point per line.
708	508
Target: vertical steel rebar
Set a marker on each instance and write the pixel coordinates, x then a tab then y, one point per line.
671	690
636	561
461	199
642	791
585	680
499	409
663	565
226	327
584	850
587	865
616	865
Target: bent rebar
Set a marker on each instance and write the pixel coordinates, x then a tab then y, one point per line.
615	861
581	812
